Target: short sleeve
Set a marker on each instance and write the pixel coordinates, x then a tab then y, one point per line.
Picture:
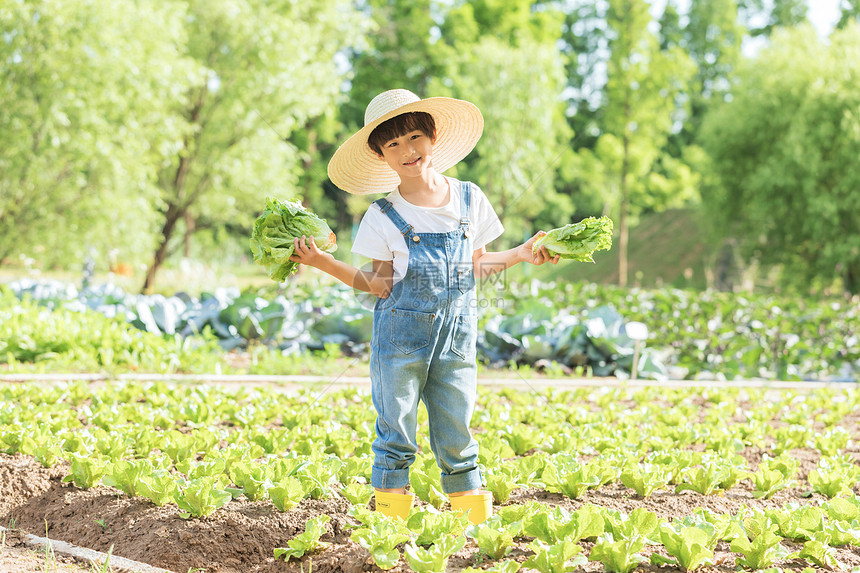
487	225
370	239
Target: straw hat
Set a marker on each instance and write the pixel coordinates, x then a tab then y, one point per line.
357	169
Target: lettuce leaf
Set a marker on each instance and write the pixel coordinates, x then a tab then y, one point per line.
274	231
578	241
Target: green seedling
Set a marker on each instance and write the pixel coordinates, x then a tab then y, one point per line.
427	488
200	497
618	556
760	551
86	470
645	478
571	479
381	540
287	493
553	526
357	493
306	542
560	557
430	525
692	546
435	558
501	482
127	475
818	551
494	539
832	479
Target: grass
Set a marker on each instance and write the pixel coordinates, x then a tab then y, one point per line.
103	567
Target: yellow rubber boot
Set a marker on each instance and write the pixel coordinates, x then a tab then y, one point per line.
479	507
394	504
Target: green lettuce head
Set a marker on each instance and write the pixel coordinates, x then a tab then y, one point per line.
578	241
275	229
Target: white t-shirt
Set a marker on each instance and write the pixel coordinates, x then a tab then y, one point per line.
379	238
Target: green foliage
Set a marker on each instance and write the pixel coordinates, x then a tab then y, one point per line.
435	558
357	493
88	341
556	525
159	487
84	125
834	477
758	544
618	556
645	478
200	497
713	475
773	475
381	538
640	522
818	551
287	493
128	475
430	525
502	481
780	146
692	545
86	470
306	542
493	537
560	557
427	488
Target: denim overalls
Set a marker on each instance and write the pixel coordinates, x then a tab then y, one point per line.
423	347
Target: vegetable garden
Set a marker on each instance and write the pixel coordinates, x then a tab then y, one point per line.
615	477
560	329
187	476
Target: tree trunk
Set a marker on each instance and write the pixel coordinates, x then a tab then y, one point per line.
173	215
189	230
852	278
622	217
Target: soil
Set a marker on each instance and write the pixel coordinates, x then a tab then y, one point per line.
15	557
240	537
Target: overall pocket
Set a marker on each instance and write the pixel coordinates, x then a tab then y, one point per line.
465	336
410	329
465	277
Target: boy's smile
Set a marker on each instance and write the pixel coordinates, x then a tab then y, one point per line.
409	155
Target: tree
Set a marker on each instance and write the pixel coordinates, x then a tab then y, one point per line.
785	148
763	17
84	113
270	68
849	11
644	83
518	90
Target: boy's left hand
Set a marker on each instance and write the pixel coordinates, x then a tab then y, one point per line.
306	252
541	256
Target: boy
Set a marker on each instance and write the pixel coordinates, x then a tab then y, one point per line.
427	239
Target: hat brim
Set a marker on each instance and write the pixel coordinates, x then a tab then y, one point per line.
355	168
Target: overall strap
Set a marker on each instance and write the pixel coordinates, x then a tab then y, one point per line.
465	202
387	207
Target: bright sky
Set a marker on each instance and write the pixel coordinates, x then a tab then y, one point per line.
824	14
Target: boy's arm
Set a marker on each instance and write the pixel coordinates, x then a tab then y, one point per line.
486	264
377	282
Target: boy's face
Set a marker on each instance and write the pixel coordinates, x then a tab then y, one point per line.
409	155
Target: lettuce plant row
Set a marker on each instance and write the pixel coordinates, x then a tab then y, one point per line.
199	448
